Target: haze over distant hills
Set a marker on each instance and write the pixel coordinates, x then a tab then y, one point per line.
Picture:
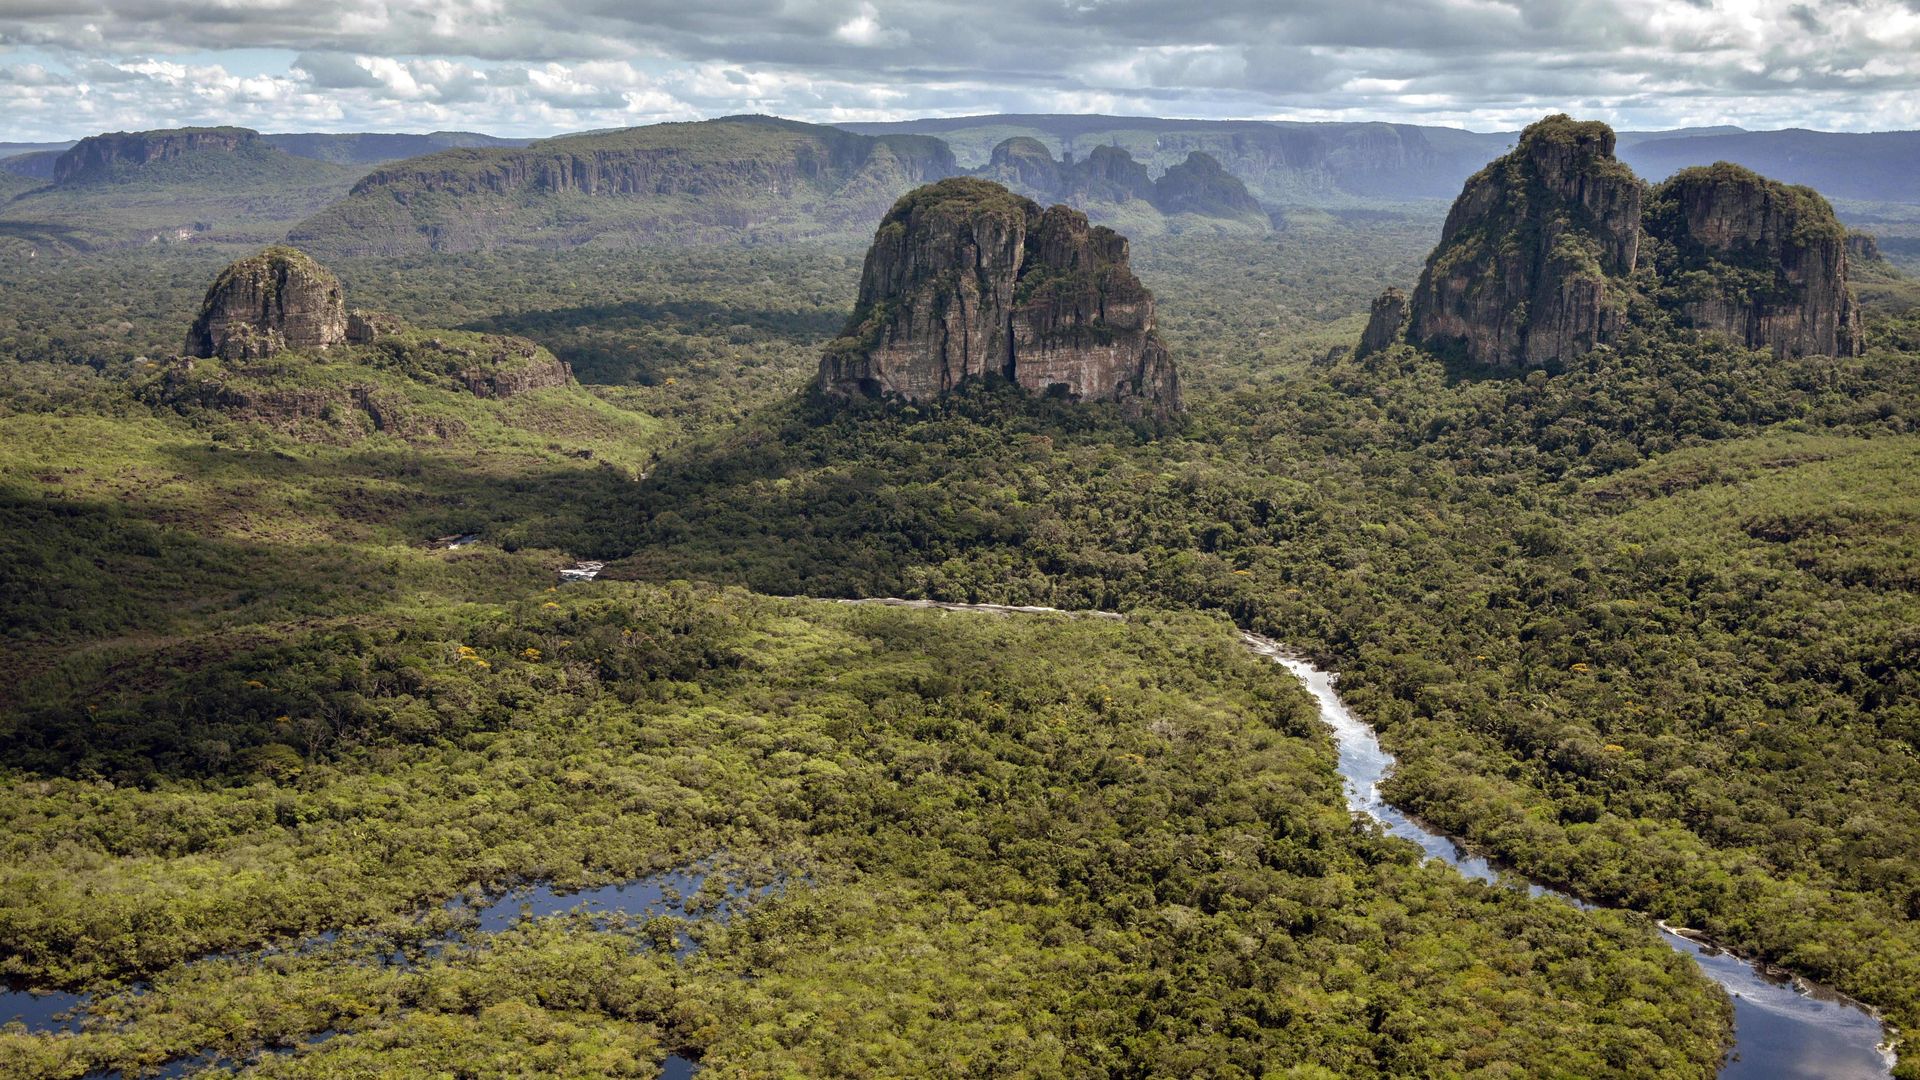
755	178
1317	162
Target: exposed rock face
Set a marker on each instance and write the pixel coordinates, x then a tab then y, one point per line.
1863	248
1386	324
1530	266
101	155
1536	264
715	179
965	279
1763	263
1108	174
279	299
1199	185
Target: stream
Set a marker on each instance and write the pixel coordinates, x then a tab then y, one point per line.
1785	1028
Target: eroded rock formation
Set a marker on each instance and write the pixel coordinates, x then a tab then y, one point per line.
1757	260
966	279
1386	323
1109	177
1537	262
277	300
1529	269
1199	185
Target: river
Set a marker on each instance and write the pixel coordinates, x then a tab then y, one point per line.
1784	1028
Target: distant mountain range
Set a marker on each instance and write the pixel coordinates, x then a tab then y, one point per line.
1285	162
765	179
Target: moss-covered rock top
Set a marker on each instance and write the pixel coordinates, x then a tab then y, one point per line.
960	195
276	300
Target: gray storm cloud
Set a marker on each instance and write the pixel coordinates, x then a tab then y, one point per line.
515	66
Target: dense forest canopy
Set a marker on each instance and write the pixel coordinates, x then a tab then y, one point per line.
1642	628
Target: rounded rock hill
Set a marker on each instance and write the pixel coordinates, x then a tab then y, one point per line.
277	300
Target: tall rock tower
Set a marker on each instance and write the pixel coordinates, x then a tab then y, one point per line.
1762	262
1537	262
966	279
1530	267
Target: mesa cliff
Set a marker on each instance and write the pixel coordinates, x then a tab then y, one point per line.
105	155
1549	248
966	279
1530	262
1757	260
713	180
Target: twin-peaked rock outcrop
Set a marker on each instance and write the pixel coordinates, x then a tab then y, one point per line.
965	279
1547	248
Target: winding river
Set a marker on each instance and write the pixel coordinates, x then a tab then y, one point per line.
1784	1028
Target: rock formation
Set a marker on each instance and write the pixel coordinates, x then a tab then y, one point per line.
102	155
1537	262
965	279
1386	324
1025	165
1763	263
1530	266
279	299
684	182
1109	176
366	327
1863	248
1199	185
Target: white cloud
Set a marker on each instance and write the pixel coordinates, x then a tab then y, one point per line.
862	29
534	66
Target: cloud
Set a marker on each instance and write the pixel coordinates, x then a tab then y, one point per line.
535	66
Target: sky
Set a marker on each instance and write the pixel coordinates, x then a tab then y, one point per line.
70	68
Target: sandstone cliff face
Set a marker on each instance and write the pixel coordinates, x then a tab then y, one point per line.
1530	266
1764	263
1108	174
279	299
966	279
1025	165
102	155
690	182
1536	264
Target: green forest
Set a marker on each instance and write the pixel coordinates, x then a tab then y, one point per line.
1646	629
